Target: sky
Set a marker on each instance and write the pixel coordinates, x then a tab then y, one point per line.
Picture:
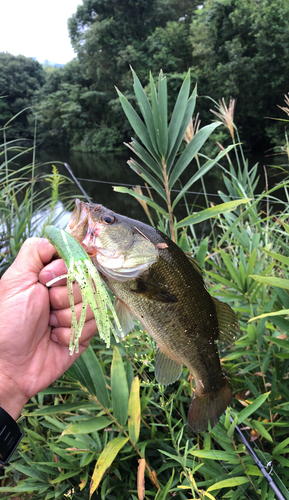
37	28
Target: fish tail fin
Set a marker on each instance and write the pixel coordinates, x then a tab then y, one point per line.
208	407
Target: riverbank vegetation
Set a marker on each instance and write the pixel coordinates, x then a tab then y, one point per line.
106	429
234	48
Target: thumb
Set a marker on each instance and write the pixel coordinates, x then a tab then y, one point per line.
33	255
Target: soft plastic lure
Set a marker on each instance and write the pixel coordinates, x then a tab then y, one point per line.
93	291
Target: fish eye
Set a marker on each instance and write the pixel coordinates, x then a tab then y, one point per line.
108	219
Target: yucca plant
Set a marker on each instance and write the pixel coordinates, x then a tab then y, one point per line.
163	156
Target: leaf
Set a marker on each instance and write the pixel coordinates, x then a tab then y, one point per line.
64	408
190	151
284	344
187	116
200	173
277	256
145	108
282	312
156	114
179	112
119	388
105	460
143	154
151	203
211	212
252	407
229	483
87	425
272	281
134	411
261	429
136	123
280	446
164	494
141	171
141	479
163	111
216	455
88	371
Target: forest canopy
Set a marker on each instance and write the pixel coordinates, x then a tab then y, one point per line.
235	48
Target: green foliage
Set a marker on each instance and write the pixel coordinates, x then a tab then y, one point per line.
28	200
240	50
20	78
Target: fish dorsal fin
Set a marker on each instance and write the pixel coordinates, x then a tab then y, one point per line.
167	371
195	263
125	318
227	321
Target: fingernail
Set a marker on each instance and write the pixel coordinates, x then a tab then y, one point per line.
53	320
54	338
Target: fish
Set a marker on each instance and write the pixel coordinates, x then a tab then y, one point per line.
154	281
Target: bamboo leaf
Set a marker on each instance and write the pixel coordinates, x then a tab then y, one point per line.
190	151
252	407
151	203
211	212
105	460
119	388
89	373
216	455
282	312
134	411
272	281
179	113
281	446
278	256
200	173
229	483
261	429
145	108
284	344
64	408
87	426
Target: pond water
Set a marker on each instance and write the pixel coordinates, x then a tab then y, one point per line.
98	174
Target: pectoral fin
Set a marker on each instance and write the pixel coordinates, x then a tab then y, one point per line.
227	321
167	371
124	316
153	292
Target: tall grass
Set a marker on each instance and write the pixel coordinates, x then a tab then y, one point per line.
28	197
107	430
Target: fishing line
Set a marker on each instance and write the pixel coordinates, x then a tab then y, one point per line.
258	462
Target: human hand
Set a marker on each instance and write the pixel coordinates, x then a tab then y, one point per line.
35	325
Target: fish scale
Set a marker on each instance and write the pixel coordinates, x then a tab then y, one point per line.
164	289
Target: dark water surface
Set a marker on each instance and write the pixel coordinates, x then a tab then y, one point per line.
99	173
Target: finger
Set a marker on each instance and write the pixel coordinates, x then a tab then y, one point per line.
59	296
61	335
53	270
33	255
63	317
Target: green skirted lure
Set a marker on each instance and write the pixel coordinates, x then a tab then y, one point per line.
93	290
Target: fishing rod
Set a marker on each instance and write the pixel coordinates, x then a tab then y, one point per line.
77	182
263	468
259	463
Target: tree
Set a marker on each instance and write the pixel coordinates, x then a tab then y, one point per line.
241	49
20	78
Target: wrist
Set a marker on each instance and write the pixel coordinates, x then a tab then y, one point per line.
12	399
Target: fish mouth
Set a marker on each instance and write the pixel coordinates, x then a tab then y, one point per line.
78	223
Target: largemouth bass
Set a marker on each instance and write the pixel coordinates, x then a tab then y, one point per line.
154	281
